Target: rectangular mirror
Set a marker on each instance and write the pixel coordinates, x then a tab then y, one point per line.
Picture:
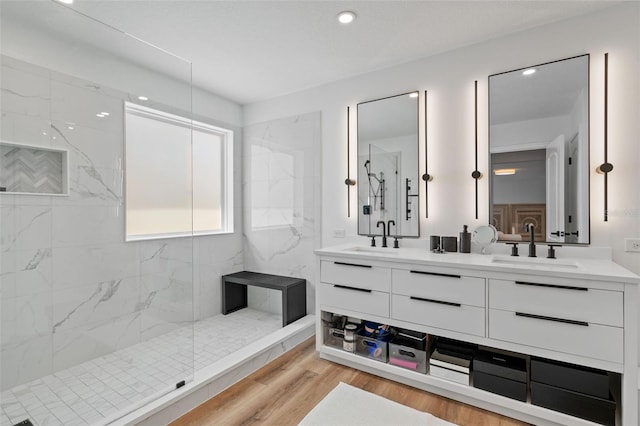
539	152
388	165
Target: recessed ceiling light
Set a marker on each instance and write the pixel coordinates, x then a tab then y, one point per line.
101	115
70	127
66	1
346	17
143	98
413	95
529	71
44	133
106	114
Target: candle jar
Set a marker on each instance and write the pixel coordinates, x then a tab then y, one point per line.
349	337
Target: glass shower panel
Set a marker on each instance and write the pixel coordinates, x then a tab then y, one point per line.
92	327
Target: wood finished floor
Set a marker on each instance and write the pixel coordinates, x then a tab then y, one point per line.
285	390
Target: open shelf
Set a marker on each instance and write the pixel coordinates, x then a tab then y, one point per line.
525	411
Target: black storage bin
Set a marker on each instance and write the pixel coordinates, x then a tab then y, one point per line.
501	374
571	377
501	386
496	364
454	347
414	339
598	410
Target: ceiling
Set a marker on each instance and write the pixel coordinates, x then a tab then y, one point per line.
248	51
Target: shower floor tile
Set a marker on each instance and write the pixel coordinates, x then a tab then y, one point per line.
88	393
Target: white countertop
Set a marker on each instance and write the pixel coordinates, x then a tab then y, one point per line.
586	267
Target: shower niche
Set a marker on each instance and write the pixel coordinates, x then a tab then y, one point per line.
33	170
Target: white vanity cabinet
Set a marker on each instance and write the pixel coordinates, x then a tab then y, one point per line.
585	316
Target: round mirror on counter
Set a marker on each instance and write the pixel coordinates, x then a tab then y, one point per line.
485	236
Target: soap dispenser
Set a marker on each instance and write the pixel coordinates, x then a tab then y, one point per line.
465	240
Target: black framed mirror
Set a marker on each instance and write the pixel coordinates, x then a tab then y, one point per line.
388	172
539	152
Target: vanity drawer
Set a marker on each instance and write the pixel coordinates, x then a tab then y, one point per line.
354	299
356	274
431	285
439	313
566	301
558	334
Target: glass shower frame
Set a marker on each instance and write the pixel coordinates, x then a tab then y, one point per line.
75	298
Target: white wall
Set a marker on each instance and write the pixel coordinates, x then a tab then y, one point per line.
449	80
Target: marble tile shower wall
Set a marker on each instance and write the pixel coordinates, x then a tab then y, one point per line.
281	190
71	289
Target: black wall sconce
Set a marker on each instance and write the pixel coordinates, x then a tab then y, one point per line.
476	175
348	181
606	167
426	177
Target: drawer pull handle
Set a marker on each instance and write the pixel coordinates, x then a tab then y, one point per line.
435	273
406	353
352	264
346	287
440	302
562	320
564	287
338	334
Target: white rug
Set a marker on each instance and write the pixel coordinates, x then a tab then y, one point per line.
346	405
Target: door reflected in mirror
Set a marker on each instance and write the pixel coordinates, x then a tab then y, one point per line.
539	152
388	165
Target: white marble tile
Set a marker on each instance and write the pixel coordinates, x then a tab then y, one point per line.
90	185
25	360
208	292
25	129
87	225
8	227
94	303
24	318
32	274
25	227
25	93
78	104
81	265
74	346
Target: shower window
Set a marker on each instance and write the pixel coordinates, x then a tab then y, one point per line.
178	175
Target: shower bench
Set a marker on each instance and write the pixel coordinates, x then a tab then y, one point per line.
294	293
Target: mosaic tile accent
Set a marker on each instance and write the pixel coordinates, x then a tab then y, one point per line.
31	170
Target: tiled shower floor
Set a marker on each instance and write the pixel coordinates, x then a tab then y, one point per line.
90	392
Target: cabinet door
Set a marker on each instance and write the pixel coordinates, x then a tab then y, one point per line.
354	299
358	274
447	287
439	314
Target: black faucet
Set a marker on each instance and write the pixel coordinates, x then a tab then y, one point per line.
532	245
384	232
389	223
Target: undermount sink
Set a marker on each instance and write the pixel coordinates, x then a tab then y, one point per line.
387	251
535	262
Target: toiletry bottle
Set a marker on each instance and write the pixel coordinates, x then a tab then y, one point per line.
465	240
